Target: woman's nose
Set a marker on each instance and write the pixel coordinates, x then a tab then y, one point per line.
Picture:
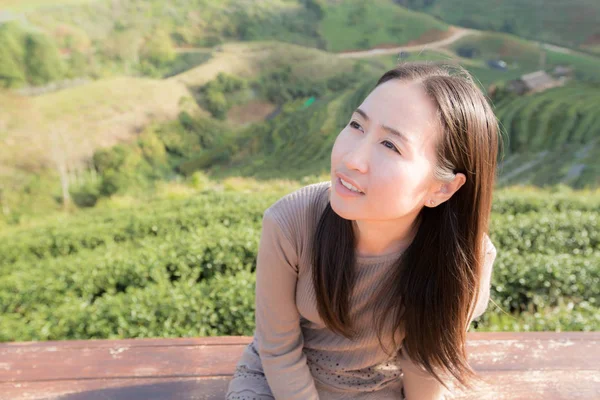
357	158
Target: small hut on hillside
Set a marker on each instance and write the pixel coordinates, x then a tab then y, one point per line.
532	82
562	70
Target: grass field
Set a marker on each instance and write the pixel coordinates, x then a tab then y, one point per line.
98	114
109	111
509	48
34	5
483	74
569	23
355	25
254	58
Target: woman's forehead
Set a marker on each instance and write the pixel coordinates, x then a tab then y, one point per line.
401	98
403	106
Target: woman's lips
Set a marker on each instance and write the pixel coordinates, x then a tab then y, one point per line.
344	191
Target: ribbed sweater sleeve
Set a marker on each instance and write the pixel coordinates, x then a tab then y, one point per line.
486	279
278	332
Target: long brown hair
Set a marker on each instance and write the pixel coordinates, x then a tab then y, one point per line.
434	285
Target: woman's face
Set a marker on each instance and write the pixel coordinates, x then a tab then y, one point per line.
395	174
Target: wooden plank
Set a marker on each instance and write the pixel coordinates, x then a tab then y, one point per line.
220	340
138	358
118	389
521	336
541	354
139	342
118	362
518	365
504	385
530	385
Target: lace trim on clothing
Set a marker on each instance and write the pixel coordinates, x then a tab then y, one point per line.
365	379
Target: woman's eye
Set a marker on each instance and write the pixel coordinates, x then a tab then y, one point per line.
392	146
356	125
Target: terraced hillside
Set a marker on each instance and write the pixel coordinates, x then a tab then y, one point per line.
296	143
548	138
552	137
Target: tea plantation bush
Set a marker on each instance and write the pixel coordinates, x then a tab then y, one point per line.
99	228
187	268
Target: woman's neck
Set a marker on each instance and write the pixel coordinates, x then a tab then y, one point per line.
383	237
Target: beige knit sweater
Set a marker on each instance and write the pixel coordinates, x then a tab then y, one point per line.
299	357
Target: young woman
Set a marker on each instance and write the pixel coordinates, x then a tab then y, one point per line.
367	284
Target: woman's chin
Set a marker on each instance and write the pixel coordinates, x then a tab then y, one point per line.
341	208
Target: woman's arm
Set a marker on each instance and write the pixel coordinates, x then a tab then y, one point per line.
418	384
278	333
486	280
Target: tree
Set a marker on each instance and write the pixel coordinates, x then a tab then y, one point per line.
508	26
42	59
11	72
316	6
159	49
58	152
12	54
216	103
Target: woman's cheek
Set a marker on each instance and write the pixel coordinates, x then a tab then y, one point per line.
339	147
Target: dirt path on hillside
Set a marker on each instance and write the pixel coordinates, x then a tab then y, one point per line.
456	35
181	50
459	33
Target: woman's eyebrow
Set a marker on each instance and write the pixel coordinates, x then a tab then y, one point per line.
387	128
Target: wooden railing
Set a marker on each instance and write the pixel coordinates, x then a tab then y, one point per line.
532	365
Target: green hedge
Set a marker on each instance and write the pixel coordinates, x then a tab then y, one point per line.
186	267
529	282
196	255
100	228
568	316
571	232
222	305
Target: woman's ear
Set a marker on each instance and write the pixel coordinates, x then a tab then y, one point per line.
446	190
452	187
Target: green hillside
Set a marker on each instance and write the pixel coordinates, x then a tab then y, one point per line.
157	39
131	203
297	142
549	138
33	5
355	25
510	48
552	137
567	23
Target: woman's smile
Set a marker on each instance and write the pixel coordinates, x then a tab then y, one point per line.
344	191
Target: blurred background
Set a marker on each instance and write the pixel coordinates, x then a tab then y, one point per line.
141	141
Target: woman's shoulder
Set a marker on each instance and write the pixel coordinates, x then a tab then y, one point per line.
489	247
297	211
300	202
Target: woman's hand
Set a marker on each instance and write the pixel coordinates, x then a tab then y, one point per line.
418	386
